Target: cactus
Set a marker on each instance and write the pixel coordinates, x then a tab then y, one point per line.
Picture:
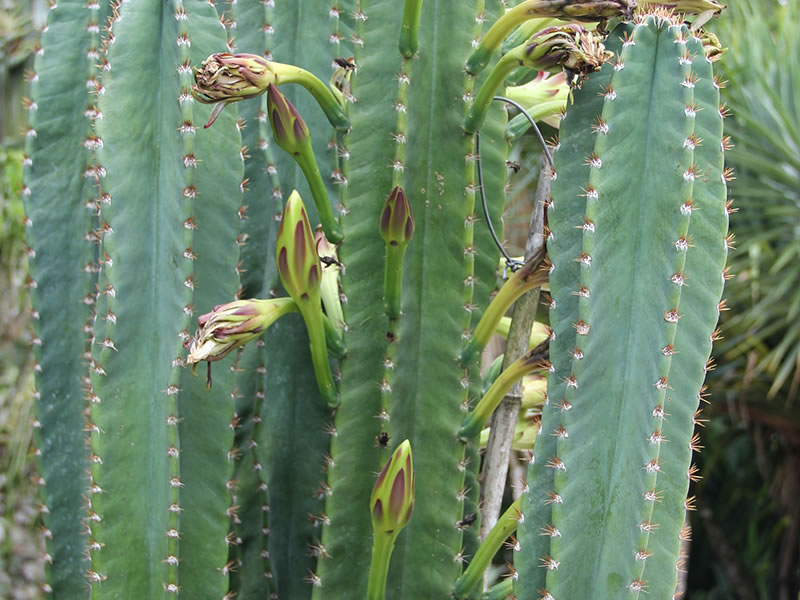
261	478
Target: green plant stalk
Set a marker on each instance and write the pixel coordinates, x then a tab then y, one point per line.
320	195
480	415
333	339
504	527
524	279
500	591
409	30
519	124
524	31
477	112
322	94
382	548
317	343
393	280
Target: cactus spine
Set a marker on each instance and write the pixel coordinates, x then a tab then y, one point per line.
258	486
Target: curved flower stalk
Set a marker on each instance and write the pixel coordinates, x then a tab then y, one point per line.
224	78
291	133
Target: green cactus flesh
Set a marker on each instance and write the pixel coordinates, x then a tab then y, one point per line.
154	485
632	337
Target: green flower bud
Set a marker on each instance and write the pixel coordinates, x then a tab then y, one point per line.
301	272
397	228
397	221
234	324
298	262
288	127
392	499
544	98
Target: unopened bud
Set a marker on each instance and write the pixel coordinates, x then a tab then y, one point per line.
288	127
392	500
397	221
298	263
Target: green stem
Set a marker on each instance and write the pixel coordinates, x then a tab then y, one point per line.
333	339
480	414
480	106
322	94
520	124
526	278
315	326
409	33
505	527
498	32
500	591
382	547
393	279
320	195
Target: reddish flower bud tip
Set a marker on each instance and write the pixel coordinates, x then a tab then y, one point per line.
397	221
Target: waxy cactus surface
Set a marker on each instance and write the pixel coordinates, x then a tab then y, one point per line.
261	478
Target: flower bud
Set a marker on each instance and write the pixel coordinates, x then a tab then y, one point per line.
397	221
288	127
392	500
298	262
234	324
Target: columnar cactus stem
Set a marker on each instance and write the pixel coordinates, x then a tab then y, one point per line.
658	84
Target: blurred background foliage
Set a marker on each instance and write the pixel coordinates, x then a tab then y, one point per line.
746	529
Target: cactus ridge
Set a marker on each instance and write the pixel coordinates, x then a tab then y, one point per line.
566	199
60	194
705	262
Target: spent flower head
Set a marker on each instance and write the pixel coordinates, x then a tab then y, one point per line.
571	47
224	78
234	324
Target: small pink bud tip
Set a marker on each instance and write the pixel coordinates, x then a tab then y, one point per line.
397	221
